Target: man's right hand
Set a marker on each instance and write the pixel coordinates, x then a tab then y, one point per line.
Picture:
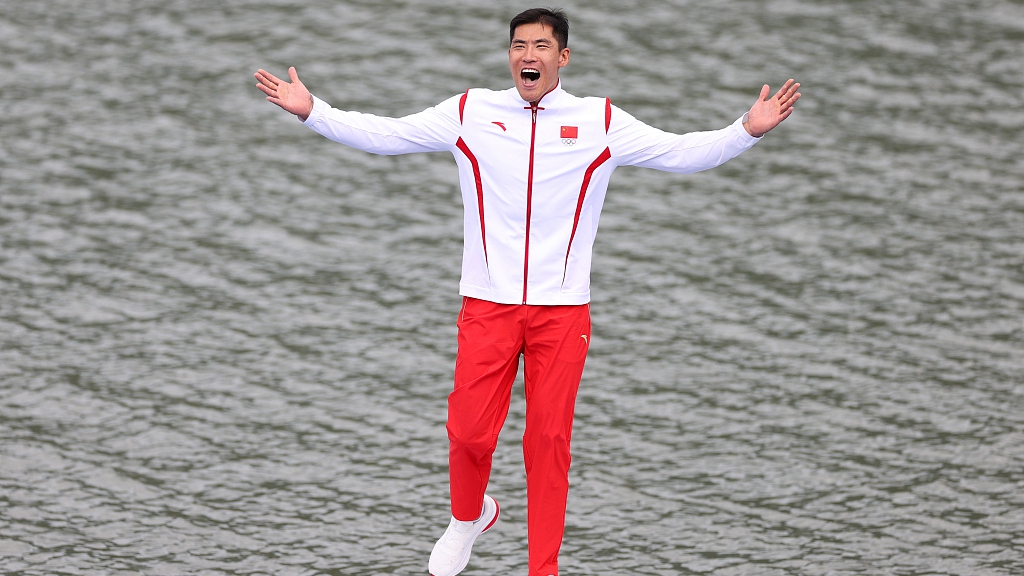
293	96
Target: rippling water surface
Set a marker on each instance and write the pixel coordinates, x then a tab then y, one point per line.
226	343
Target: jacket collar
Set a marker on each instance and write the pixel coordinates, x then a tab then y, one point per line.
552	98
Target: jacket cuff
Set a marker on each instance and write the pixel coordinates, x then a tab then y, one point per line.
319	107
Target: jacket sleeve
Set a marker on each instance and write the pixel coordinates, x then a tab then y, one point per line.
633	143
435	129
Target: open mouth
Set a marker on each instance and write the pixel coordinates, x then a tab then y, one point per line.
530	74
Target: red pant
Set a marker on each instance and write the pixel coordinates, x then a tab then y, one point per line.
553	341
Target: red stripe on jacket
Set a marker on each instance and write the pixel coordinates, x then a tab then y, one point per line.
605	155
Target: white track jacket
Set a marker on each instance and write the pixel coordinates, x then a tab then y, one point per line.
533	178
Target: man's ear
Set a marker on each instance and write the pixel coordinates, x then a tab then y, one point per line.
563	58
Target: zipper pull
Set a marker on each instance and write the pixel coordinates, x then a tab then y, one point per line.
534	108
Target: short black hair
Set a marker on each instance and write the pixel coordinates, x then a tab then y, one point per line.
553	17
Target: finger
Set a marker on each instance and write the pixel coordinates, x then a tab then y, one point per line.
264	81
782	91
790	100
269	91
764	93
789	97
293	75
787	88
278	102
273	79
786	98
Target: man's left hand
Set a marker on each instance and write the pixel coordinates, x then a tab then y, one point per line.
767	113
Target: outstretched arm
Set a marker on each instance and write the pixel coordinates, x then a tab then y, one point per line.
292	96
767	113
433	130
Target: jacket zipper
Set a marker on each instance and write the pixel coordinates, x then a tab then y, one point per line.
529	199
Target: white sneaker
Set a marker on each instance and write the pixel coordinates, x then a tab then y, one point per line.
451	553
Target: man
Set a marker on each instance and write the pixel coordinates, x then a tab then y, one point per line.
534	164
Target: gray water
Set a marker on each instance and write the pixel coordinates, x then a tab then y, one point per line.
226	343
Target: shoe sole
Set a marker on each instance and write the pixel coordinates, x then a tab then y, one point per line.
497	512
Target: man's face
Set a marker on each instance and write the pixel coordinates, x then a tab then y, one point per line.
534	59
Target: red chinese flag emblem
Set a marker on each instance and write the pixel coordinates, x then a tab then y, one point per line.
570	132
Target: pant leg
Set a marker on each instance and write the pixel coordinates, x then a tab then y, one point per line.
557	339
490	342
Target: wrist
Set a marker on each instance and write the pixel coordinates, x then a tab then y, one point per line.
309	110
745	120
